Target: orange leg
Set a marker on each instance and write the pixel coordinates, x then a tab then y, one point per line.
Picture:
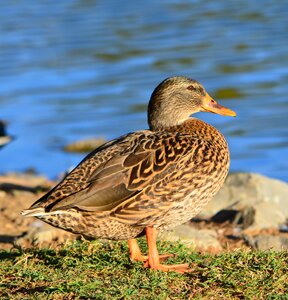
135	252
153	257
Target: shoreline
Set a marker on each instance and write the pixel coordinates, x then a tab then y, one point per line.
249	212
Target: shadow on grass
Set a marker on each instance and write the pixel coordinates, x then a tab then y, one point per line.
10	238
11	255
47	256
27	290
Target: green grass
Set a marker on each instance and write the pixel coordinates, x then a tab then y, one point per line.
85	270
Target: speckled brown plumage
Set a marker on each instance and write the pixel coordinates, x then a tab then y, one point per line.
157	178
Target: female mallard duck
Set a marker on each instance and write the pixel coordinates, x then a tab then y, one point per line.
148	180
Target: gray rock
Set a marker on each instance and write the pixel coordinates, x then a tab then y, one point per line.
243	217
268	197
198	238
42	234
268	242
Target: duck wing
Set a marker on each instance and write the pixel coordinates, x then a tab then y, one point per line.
113	175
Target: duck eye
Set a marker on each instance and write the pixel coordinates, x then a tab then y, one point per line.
191	88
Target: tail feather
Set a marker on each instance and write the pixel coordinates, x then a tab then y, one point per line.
39	211
33	212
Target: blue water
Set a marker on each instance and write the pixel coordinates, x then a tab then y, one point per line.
79	69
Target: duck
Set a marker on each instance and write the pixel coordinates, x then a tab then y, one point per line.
4	138
146	181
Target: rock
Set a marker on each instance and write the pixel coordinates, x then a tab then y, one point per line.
244	217
266	196
42	235
25	180
284	228
268	242
200	238
4	138
84	146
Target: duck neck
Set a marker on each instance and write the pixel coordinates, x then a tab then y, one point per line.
160	118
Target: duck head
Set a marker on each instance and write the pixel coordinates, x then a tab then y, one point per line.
175	99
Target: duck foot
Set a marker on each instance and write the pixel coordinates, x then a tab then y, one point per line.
180	268
153	259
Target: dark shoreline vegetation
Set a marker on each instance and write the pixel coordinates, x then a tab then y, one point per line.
96	270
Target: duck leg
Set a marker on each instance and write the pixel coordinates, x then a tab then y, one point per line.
136	254
153	256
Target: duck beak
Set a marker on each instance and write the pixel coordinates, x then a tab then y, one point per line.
210	105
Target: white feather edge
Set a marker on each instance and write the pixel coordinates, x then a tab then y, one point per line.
38	212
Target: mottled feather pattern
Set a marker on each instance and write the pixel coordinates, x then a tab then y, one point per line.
143	209
154	165
151	178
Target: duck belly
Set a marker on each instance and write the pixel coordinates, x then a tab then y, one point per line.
91	224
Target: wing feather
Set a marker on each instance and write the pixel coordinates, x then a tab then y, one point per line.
121	180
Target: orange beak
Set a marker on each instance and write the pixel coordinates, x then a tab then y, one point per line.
210	105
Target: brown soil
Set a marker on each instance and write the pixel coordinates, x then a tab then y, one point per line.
18	192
